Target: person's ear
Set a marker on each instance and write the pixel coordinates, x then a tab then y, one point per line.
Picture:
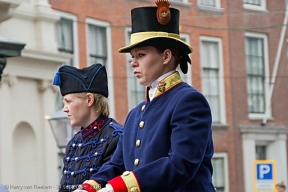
167	54
90	99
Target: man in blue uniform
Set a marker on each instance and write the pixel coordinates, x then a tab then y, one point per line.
85	95
167	141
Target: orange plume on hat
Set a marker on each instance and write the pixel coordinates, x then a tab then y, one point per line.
163	11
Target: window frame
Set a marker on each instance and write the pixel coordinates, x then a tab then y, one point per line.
222	103
267	113
72	17
109	61
225	160
217	4
261	7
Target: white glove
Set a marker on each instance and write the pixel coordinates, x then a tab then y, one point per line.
107	188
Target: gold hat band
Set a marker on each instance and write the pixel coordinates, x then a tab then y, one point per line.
138	37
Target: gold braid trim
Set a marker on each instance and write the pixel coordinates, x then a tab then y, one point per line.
168	83
140	36
130	181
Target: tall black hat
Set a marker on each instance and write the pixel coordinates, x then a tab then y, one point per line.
158	26
91	79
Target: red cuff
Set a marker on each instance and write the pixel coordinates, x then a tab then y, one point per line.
118	184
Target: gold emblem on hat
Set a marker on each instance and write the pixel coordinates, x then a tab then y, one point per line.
161	87
163	12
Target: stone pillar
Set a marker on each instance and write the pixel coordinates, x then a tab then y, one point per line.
5	131
50	152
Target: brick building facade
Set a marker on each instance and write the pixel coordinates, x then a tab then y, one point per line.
239	63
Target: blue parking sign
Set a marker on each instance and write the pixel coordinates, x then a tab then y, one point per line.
264	171
265	175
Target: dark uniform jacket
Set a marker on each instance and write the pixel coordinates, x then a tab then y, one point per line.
88	150
166	144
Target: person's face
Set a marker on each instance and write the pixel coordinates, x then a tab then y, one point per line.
77	110
280	189
148	64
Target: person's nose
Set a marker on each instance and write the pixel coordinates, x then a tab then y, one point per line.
134	63
65	109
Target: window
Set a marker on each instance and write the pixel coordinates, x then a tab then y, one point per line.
257	73
66	34
212	77
259	5
260	152
253	2
136	92
220	172
97	44
210	5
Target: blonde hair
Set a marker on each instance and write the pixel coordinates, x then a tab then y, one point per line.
281	184
101	103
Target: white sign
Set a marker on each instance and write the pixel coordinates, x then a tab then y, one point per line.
265	175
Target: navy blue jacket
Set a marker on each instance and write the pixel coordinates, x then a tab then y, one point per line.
166	144
88	150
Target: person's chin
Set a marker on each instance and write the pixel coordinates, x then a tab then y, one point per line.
72	123
141	82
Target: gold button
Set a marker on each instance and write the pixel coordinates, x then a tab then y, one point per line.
126	173
138	143
143	108
141	124
134	189
136	162
151	95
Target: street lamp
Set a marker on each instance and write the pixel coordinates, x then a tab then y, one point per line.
61	128
9	48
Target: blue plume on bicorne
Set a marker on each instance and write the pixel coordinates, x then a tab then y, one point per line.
57	80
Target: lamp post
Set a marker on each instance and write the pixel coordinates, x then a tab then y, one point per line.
9	48
62	132
61	129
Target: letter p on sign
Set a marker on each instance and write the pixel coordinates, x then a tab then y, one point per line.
263	169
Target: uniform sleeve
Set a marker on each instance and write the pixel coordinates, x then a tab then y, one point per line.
111	168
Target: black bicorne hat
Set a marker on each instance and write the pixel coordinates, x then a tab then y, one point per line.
158	26
91	79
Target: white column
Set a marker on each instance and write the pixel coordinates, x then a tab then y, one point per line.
50	149
277	151
6	130
248	157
